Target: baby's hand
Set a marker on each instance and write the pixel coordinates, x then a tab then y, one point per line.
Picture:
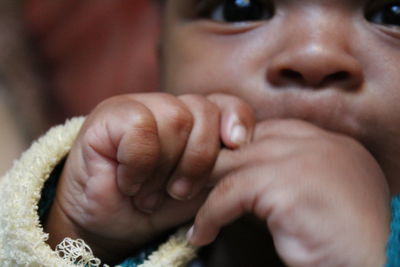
322	195
112	192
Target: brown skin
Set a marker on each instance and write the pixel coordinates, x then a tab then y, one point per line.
322	196
325	144
306	63
315	39
141	142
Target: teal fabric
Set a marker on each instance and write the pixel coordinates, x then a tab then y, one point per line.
393	245
138	259
49	192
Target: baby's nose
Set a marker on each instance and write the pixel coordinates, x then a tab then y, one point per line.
315	66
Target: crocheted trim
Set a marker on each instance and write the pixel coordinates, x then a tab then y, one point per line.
77	252
22	240
176	252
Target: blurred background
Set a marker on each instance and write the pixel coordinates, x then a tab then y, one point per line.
59	58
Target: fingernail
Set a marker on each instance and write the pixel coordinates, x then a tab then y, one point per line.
239	134
149	203
189	233
181	189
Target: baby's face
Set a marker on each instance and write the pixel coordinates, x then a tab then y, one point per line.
335	63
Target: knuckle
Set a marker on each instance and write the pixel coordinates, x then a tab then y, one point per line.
241	106
211	111
127	110
142	154
199	104
141	144
203	154
284	211
111	100
199	164
225	186
231	101
193	98
179	118
119	102
142	130
142	121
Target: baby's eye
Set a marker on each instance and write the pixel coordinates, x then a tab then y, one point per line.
388	14
241	11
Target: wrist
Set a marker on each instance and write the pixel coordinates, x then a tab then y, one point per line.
60	226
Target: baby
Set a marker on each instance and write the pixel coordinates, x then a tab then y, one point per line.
286	110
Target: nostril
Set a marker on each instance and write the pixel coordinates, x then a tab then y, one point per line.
291	74
314	79
337	76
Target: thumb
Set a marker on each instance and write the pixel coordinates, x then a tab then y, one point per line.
237	120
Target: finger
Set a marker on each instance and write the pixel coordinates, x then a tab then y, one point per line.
201	149
129	136
231	198
272	144
138	154
276	138
289	128
237	119
174	123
